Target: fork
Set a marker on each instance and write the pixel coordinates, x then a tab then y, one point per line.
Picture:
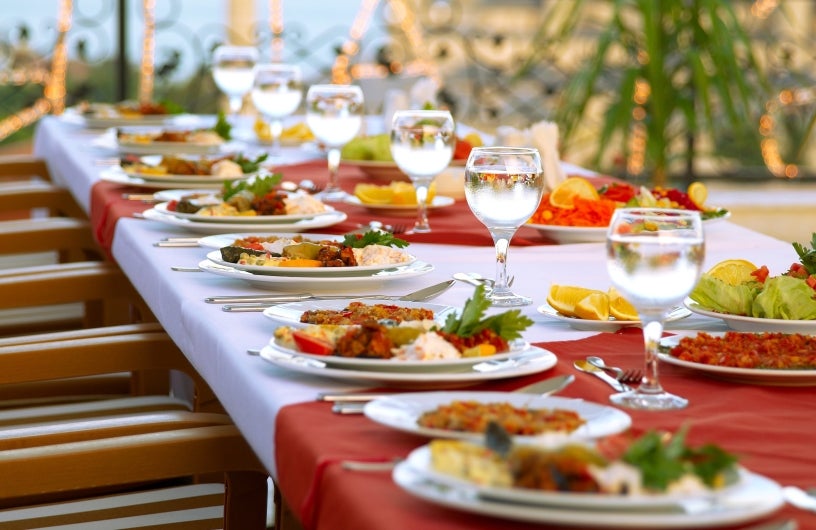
632	376
398	229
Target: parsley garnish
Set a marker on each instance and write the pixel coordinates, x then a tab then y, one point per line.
259	186
373	237
507	325
249	165
807	256
171	107
222	127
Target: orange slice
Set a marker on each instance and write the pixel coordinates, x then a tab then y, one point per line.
373	194
564	194
593	307
698	193
564	298
733	271
619	307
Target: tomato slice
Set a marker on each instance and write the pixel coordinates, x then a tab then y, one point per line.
761	274
312	345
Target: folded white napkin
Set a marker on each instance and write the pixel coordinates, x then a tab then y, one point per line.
544	137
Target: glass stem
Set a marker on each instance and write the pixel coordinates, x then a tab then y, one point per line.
422	185
334	165
275	130
235	104
652	333
501	239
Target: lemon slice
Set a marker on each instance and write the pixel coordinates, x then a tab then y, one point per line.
733	271
619	307
564	298
405	193
698	193
373	194
564	194
593	307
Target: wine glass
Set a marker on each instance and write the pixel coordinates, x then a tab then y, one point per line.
654	258
233	73
334	113
422	144
276	92
503	187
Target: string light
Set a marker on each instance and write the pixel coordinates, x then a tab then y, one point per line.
769	146
340	70
637	143
276	26
53	82
148	50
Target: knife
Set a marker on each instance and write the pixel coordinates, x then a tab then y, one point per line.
260	302
543	388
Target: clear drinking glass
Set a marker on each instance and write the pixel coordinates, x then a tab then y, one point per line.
334	113
503	187
422	143
276	92
654	258
232	70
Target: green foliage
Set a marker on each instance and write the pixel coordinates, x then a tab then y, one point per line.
696	61
807	256
373	237
258	186
507	325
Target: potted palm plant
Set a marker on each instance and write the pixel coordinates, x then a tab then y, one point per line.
662	79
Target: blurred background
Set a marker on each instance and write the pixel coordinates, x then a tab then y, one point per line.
654	92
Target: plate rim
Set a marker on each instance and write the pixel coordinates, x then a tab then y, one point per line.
599	325
243	219
336	272
768	324
215	228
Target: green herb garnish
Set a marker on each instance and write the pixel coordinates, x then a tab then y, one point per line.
373	237
259	186
171	107
507	325
222	127
807	256
662	462
249	165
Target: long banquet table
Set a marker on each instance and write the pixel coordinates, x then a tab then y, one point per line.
302	443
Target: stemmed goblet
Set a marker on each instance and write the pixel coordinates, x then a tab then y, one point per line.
276	92
422	143
654	258
334	113
503	187
232	70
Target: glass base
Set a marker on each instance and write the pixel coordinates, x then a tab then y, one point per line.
332	195
644	401
508	299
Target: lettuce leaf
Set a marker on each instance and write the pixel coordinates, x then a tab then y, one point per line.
716	295
787	298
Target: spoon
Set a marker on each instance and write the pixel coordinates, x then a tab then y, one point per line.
585	366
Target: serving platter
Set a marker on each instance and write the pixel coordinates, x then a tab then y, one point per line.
320	221
289	314
755	497
756	376
116	176
344	272
109	117
109	141
438	201
402	412
612	324
285	283
224	240
541	360
744	323
518	352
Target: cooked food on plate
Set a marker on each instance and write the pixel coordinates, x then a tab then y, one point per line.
577	202
129	109
770	351
233	165
473	416
467	334
651	464
372	248
359	312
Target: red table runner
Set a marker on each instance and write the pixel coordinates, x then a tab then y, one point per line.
771	428
455	225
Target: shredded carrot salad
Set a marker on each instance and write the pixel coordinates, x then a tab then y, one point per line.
587	212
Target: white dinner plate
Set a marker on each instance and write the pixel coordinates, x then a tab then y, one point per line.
588	234
289	314
243	219
117	176
604	325
109	141
171	180
438	201
290	283
743	323
336	272
756	496
217	228
402	412
542	360
113	119
758	376
225	240
521	352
